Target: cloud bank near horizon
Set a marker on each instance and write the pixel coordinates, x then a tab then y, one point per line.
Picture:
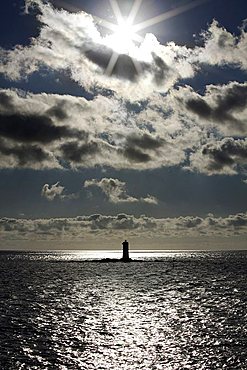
91	229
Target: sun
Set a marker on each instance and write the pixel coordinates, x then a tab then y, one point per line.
123	37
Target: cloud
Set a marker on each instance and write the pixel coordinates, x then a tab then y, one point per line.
222	157
34	129
5	101
223	106
145	121
74	152
31	128
124	68
222	48
72	132
53	131
138	148
28	156
72	42
115	191
50	192
98	226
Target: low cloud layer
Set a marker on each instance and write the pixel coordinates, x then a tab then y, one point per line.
116	192
98	226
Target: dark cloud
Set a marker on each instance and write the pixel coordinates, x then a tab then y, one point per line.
124	67
230	100
223	40
136	155
6	101
76	153
136	145
160	69
122	216
189	222
226	153
25	155
93	217
200	107
127	68
235	99
58	111
69	146
145	141
237	221
34	128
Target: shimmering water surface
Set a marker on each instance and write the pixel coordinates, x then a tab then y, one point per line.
165	311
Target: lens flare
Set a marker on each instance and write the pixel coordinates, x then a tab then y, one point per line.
125	33
122	39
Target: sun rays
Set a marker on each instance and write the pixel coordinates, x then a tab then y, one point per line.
167	15
125	31
124	35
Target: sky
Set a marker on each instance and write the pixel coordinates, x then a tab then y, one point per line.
123	119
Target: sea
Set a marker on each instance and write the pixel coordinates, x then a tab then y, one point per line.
162	311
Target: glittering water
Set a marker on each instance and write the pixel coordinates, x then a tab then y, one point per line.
167	311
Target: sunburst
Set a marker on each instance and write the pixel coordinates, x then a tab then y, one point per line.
125	33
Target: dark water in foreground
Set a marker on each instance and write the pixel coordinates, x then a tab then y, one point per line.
185	311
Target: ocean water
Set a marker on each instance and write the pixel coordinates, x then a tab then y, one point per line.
63	310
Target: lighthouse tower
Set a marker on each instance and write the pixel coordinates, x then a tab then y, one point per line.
125	251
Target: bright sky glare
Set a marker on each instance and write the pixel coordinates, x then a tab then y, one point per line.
125	32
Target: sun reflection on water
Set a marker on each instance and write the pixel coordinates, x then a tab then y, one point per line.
143	315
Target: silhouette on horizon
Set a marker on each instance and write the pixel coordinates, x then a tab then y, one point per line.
125	257
125	251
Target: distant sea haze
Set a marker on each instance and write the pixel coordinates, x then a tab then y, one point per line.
67	310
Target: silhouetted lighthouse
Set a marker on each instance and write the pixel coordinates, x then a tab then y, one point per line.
125	251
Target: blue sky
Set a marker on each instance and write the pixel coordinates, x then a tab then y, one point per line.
103	137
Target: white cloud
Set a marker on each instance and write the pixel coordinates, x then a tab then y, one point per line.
223	107
136	127
60	131
116	192
98	227
220	157
72	42
52	192
222	48
66	130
